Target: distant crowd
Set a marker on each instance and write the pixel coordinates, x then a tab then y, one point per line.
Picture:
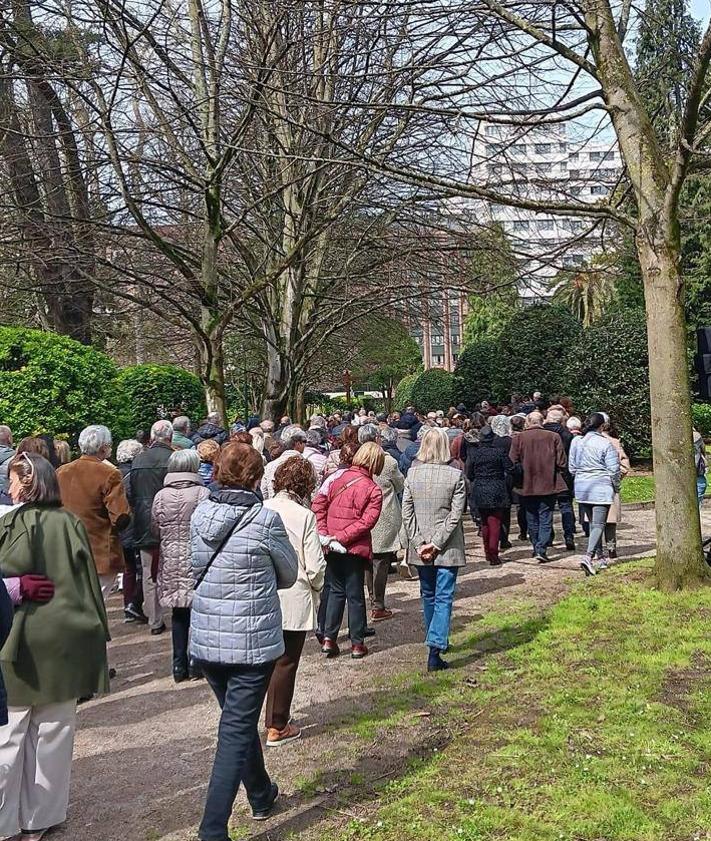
244	541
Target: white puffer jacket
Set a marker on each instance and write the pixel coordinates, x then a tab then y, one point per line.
236	616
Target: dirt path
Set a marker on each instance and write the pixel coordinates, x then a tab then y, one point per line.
143	754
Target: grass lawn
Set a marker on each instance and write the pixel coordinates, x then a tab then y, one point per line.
591	722
637	489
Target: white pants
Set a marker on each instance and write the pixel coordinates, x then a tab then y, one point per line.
151	604
35	765
107	583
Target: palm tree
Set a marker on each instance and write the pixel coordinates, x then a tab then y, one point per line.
587	292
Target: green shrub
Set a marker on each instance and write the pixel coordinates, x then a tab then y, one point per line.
52	384
146	393
403	393
608	371
701	413
433	390
475	373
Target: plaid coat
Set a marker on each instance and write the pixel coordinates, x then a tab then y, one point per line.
433	502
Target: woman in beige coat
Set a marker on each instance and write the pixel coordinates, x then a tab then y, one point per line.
614	515
294	482
173	507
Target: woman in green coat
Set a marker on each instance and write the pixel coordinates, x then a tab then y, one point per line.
55	653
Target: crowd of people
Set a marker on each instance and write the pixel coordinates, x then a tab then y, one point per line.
251	538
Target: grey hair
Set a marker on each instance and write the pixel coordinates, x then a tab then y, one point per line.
94	438
292	435
501	425
318	421
368	432
267	425
214	417
533	420
5	435
555	415
162	430
127	450
184	461
388	435
421	431
181	423
257	434
314	438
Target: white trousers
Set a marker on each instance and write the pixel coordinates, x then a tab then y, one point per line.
151	603
35	766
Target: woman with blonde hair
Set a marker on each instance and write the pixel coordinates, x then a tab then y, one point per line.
257	434
346	514
433	503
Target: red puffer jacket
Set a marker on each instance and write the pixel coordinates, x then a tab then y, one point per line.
349	511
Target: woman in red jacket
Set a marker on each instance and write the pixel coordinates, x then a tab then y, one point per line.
346	515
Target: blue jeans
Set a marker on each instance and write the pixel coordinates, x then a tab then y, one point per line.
437	586
565	504
539	518
700	488
240	692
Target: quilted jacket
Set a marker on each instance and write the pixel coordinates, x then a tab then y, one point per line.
349	511
172	509
236	616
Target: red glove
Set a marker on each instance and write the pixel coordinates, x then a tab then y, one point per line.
36	588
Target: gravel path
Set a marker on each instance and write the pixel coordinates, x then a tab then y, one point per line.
143	753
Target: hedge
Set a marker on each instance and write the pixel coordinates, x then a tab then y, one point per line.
433	390
146	393
608	371
403	393
701	413
475	374
52	384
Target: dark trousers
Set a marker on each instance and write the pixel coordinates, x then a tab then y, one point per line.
347	580
132	577
491	531
539	519
377	578
180	628
567	515
240	692
505	526
281	686
323	604
521	518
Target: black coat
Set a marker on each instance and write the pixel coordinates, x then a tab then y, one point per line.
488	469
6	615
210	431
392	450
148	471
567	438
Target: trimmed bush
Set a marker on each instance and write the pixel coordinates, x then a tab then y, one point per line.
475	374
433	390
147	393
52	384
403	393
701	413
608	371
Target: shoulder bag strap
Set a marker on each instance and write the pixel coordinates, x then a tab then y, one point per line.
244	521
345	488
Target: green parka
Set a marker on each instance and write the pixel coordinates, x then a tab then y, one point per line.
55	651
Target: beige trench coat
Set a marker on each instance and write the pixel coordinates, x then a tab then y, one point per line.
385	535
299	604
614	515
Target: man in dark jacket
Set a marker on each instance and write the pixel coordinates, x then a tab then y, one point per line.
542	458
210	429
148	471
564	499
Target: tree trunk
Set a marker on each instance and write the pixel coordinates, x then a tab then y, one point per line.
212	374
679	561
277	386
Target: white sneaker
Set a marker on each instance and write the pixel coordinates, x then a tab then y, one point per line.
587	566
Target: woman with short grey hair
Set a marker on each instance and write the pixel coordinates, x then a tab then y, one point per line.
172	509
95	440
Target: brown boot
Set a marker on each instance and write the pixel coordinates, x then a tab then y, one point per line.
275	737
379	614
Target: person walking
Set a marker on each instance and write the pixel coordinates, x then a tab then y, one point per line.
293	438
126	451
518	424
346	514
93	491
146	478
700	463
488	468
181	434
595	466
541	456
501	427
241	557
386	532
55	652
209	452
172	509
294	484
210	429
433	503
614	516
554	423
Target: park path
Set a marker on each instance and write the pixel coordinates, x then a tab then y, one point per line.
143	753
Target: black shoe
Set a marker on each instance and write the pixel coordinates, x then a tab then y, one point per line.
522	536
133	613
369	632
156	632
505	545
570	545
612	554
263	814
85	698
542	558
180	675
194	671
112	674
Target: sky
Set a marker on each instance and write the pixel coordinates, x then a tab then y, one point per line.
701	9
